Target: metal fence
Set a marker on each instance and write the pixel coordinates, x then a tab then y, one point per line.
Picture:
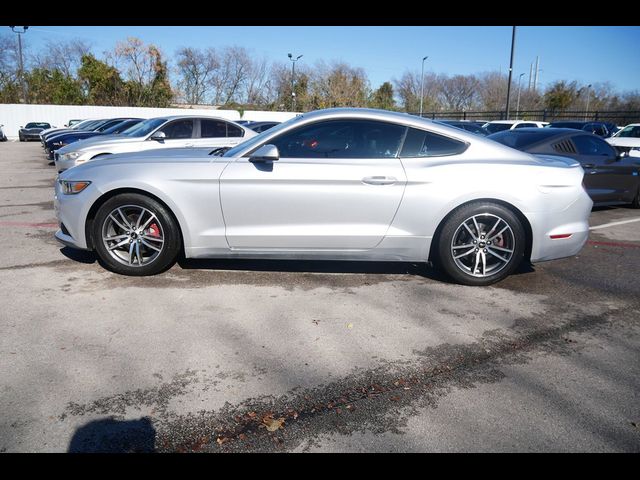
618	117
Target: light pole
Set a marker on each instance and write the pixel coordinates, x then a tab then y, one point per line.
21	66
422	84
513	44
518	102
586	113
293	74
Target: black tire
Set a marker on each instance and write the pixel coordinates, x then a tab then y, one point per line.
166	225
636	201
21	138
486	215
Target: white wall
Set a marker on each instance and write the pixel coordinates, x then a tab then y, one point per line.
13	116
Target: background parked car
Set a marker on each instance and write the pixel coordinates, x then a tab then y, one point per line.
260	127
610	178
73	122
602	129
31	131
110	127
156	133
85	124
500	125
627	140
3	137
466	125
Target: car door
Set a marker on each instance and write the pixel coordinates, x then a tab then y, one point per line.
217	133
178	133
607	177
336	186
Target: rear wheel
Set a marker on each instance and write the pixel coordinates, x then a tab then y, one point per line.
481	243
135	235
636	201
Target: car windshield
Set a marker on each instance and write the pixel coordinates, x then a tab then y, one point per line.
630	131
497	127
37	125
519	139
144	128
121	126
259	138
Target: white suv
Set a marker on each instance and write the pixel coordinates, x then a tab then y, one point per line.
500	125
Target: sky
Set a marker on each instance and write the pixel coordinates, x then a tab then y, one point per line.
589	54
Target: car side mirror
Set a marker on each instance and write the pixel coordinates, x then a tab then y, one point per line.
158	136
21	126
266	153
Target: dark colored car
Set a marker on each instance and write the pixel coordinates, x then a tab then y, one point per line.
261	126
83	125
602	129
609	178
31	131
110	127
465	125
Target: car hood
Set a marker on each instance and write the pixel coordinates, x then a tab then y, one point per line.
163	155
100	141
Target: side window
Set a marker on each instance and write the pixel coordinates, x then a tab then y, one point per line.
525	125
341	139
234	131
426	144
179	129
213	128
590	145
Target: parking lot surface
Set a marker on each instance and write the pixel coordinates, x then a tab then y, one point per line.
310	356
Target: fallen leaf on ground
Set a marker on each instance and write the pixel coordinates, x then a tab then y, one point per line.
273	424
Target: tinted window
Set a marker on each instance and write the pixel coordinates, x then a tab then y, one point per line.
525	125
497	127
589	145
179	129
213	128
419	143
631	131
121	127
341	139
520	140
234	131
37	125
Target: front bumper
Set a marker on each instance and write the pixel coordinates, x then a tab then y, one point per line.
71	211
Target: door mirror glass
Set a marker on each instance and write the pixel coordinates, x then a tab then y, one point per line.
266	153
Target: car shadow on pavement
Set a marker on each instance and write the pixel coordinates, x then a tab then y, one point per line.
114	436
82	256
327	266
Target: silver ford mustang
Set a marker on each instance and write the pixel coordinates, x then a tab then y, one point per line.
349	184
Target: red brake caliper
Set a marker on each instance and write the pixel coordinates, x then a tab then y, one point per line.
153	230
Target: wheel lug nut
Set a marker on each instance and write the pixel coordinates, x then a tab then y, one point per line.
485	250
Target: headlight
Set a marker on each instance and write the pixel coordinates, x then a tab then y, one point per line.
70	156
72	187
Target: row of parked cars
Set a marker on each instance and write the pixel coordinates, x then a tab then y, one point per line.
87	140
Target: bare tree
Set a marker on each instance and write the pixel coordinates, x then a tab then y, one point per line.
409	88
63	56
339	85
459	92
195	68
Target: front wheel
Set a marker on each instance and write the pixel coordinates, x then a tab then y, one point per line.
135	235
481	243
636	201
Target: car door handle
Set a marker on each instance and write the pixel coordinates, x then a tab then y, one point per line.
589	165
379	180
188	144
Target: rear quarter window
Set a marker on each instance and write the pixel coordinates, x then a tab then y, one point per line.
420	143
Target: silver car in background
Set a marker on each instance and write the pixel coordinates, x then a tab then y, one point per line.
338	184
156	133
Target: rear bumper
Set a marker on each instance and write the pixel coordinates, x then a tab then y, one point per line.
572	221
